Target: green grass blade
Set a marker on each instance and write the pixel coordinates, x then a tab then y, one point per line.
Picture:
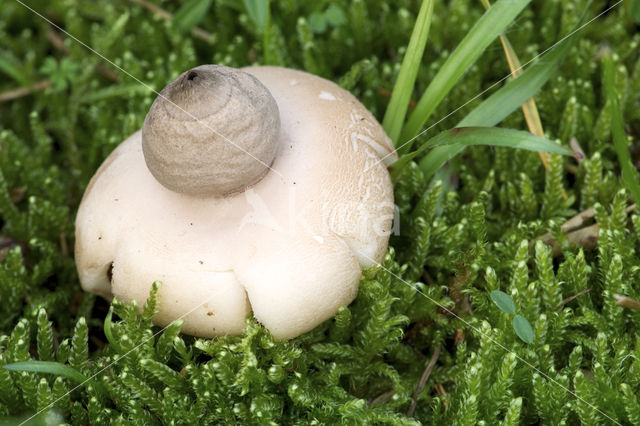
503	102
492	136
401	94
56	368
630	176
258	11
50	367
509	98
263	23
529	108
190	14
488	27
109	334
634	11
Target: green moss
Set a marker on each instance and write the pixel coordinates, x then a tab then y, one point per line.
471	232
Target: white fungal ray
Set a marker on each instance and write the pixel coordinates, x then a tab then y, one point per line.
290	249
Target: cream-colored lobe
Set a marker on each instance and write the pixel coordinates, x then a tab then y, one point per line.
290	248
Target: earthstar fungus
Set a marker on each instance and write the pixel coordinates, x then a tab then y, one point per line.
259	190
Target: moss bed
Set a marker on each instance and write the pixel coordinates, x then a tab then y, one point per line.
470	230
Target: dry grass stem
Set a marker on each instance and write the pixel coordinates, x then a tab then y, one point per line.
423	381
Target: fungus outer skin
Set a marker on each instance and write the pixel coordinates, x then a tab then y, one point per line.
291	247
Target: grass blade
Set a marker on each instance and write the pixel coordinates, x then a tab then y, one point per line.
634	11
258	11
629	172
190	14
529	109
47	367
56	368
401	94
492	136
492	23
108	333
503	102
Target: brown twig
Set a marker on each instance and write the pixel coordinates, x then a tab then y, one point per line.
459	336
427	277
64	246
578	220
582	217
572	168
153	9
383	397
586	237
441	393
570	298
99	343
107	72
6	244
423	380
17	194
57	41
24	91
196	32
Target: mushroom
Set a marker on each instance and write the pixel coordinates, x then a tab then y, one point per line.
262	189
